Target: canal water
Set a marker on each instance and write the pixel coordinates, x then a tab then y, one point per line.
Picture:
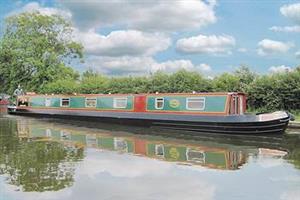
55	159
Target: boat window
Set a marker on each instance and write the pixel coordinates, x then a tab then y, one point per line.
48	133
47	102
159	103
195	103
22	101
91	140
90	102
65	135
65	102
120	145
195	156
159	150
120	102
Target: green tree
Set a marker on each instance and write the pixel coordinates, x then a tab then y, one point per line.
158	82
275	92
238	81
93	83
245	76
185	81
127	85
35	50
226	83
61	86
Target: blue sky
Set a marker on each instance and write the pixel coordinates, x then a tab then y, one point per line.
138	37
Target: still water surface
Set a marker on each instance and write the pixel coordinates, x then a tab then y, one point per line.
62	160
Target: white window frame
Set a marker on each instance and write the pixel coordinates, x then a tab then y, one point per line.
91	140
163	103
189	98
48	102
202	161
90	98
48	132
156	150
61	100
117	141
120	98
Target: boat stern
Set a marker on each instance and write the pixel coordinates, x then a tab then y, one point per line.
278	115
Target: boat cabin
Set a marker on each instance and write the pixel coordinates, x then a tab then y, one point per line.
179	103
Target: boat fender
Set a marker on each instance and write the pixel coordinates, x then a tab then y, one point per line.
292	117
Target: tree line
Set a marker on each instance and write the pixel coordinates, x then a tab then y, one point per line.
265	92
37	51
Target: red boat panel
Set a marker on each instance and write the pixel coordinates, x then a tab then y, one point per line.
140	147
140	103
4	102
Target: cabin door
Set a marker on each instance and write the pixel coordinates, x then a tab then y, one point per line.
241	103
234	106
140	103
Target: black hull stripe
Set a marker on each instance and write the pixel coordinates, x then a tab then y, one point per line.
234	120
219	125
184	123
273	131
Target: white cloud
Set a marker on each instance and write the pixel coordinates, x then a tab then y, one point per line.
120	43
146	31
287	29
297	54
206	44
280	69
174	65
291	11
140	65
34	6
156	15
242	50
205	67
269	47
120	65
290	195
110	175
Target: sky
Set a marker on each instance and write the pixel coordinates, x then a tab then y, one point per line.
209	36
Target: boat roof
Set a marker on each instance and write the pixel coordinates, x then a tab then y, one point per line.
146	94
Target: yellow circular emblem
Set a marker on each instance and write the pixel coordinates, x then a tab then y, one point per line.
174	103
174	154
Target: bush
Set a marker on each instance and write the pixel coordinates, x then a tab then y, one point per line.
63	86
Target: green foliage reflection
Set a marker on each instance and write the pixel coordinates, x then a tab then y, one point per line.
36	165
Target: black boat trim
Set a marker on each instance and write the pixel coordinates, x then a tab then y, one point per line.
221	125
243	124
223	131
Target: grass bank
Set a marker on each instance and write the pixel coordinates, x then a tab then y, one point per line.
297	116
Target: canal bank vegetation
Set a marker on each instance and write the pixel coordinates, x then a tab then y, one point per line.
279	91
38	51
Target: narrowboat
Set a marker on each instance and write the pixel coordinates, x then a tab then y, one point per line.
222	113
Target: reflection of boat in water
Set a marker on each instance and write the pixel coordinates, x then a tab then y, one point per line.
197	152
222	113
43	155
